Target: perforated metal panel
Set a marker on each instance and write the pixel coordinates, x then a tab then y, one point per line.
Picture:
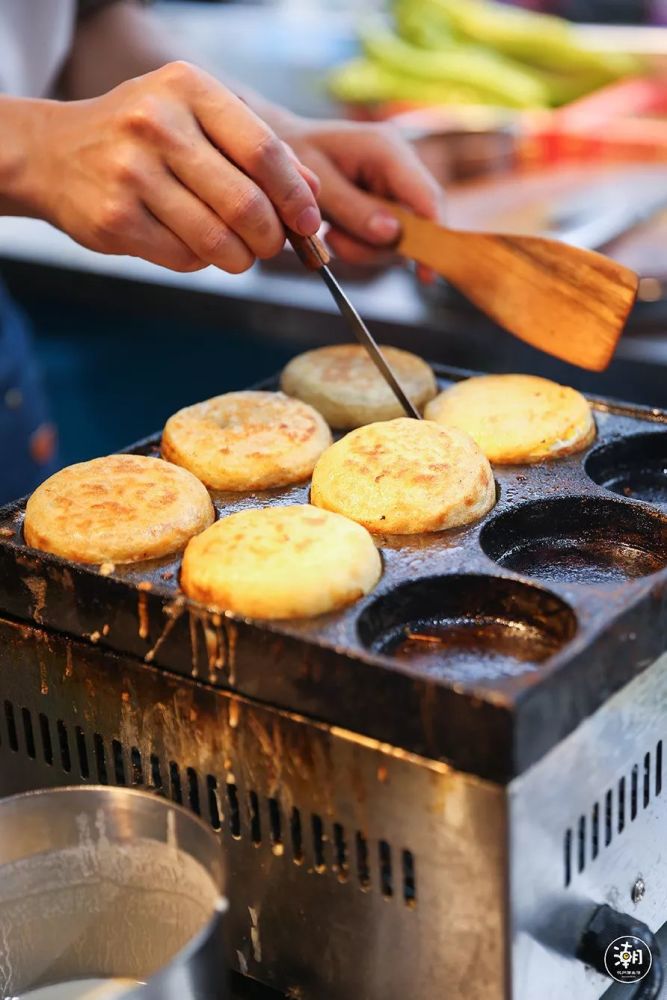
356	870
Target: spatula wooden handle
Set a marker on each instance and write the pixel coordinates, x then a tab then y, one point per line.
568	302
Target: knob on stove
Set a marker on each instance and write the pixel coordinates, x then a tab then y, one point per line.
598	949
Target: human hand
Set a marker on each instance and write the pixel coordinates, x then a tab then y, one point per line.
171	167
353	162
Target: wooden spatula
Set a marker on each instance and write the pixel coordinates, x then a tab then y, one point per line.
568	302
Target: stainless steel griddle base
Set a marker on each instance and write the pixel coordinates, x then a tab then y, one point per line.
358	870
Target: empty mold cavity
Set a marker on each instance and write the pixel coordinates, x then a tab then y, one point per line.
468	627
578	540
634	467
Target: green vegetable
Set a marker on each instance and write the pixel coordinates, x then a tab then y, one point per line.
365	82
536	39
423	25
499	79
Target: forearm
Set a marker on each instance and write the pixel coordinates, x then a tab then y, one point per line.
125	40
21	123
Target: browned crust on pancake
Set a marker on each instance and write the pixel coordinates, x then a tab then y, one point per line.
517	419
343	384
281	562
246	440
405	477
120	509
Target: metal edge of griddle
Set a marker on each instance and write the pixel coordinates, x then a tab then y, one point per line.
494	735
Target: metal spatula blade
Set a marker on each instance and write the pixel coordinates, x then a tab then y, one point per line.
316	258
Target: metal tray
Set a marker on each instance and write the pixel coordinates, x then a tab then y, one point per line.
555	599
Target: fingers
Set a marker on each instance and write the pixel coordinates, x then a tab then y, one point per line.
352	251
311	178
387	166
406	178
197	226
233	198
157	244
246	140
354	211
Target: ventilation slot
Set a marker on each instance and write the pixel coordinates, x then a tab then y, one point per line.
318	843
100	759
255	822
28	733
45	733
581	844
567	844
82	753
234	811
608	825
275	826
156	775
363	871
118	762
175	782
340	849
63	742
213	802
12	737
658	768
409	880
296	835
193	791
595	831
385	869
137	768
612	814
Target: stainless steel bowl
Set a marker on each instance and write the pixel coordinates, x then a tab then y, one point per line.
102	883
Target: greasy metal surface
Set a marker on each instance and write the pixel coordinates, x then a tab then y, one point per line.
355	869
633	467
494	723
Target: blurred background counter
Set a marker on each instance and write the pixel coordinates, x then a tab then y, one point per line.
124	343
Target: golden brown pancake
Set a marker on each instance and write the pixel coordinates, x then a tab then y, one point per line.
247	440
517	419
281	562
405	477
345	386
119	509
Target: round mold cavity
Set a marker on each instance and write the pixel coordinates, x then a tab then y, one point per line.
467	627
634	467
590	540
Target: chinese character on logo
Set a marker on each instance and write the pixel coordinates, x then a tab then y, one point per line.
628	959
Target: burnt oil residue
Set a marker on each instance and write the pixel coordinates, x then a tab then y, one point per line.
634	467
580	539
468	627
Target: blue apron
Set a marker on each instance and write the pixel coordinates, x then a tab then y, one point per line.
27	437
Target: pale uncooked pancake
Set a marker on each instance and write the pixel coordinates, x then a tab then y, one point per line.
119	509
247	440
342	383
281	562
404	477
517	419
